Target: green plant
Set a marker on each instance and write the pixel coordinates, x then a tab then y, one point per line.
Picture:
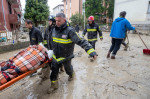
37	11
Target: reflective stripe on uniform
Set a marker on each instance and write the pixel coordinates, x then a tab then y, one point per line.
40	42
78	36
101	37
54	81
58	59
91	30
63	41
92	39
68	24
45	42
90	51
33	38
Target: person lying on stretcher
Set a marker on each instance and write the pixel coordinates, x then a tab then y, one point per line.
25	60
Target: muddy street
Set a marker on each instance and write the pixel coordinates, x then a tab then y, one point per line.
126	77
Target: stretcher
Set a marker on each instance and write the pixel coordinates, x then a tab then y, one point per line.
11	82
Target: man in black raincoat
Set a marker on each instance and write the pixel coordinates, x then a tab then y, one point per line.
63	40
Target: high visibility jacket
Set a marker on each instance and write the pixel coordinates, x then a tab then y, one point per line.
92	30
63	40
35	36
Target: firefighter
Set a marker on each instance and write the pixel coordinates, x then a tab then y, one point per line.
35	34
45	72
92	28
52	23
63	40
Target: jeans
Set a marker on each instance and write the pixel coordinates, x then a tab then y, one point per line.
116	43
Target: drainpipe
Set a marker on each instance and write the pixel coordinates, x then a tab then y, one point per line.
4	15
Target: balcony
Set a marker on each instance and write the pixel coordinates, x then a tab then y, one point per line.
13	1
17	8
14	19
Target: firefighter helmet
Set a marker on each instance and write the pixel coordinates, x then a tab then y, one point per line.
91	18
51	18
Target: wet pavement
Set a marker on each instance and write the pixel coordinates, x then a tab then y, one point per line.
126	77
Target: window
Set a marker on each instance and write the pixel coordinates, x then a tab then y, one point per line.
148	11
66	5
11	26
66	2
9	8
70	13
66	11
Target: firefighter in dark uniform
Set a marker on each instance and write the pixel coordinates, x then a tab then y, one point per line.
35	34
52	23
45	72
63	40
92	28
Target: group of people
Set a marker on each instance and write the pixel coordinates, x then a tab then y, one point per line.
60	37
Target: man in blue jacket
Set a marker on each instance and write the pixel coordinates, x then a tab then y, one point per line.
118	30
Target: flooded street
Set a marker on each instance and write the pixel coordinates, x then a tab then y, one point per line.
126	77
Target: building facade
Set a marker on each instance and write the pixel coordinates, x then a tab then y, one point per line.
72	6
10	15
138	12
58	9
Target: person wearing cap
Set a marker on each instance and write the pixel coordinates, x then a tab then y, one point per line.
118	32
93	29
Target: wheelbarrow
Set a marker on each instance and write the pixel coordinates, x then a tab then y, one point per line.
145	51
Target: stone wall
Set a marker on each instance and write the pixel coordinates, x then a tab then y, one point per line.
11	47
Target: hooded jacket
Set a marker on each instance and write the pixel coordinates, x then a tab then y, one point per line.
119	27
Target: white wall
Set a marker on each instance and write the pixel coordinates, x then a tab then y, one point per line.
136	10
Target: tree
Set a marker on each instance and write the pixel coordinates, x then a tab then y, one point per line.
110	9
77	19
43	1
99	8
94	8
37	11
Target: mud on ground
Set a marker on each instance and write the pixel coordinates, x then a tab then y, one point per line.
126	77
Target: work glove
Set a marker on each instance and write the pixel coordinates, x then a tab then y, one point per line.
50	54
41	44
